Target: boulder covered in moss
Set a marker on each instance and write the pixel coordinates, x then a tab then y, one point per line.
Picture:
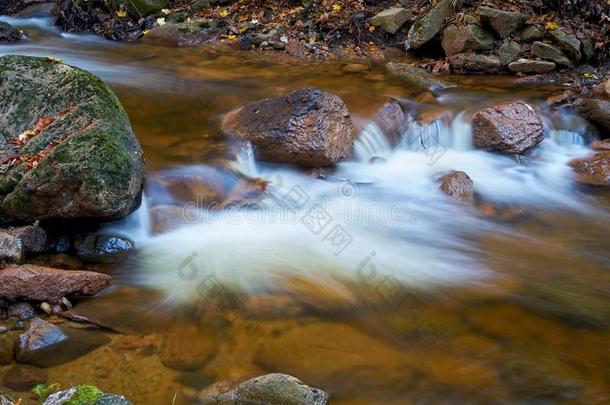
67	150
84	395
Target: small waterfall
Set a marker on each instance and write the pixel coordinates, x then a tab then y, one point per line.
438	135
564	137
371	143
246	163
136	226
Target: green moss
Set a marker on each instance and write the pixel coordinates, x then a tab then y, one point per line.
85	395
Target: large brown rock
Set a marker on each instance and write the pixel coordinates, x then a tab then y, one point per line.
469	38
309	127
597	112
187	349
509	128
47	284
475	63
272	389
530	66
392	19
593	170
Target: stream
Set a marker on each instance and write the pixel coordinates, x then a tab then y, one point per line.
370	284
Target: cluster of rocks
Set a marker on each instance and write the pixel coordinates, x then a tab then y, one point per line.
488	40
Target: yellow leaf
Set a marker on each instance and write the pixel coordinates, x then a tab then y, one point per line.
121	13
372	28
224	13
588	75
232	37
336	7
145	32
552	26
52	59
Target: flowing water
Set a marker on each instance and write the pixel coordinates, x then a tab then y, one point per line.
368	283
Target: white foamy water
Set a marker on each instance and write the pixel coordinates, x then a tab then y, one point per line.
390	216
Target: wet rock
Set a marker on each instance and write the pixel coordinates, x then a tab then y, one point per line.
597	112
11	248
76	155
458	186
509	128
391	120
549	52
43	9
295	48
187	349
310	351
39	335
309	127
33	238
111	399
530	66
469	38
184	34
568	43
392	19
593	170
167	218
273	389
530	34
47	284
502	22
21	310
509	52
430	25
475	63
417	77
101	248
5	400
85	394
22	378
601	145
8	33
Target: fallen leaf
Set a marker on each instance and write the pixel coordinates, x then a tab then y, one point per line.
121	13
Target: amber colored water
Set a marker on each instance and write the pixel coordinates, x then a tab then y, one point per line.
537	331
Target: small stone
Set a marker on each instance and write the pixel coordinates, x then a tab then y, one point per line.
111	399
568	43
458	186
46	308
33	237
21	310
531	33
549	52
530	66
22	378
8	33
101	248
66	303
502	22
11	248
417	77
3	329
355	68
392	19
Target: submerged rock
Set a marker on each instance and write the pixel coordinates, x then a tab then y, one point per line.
272	389
593	170
309	127
187	349
7	344
417	77
66	145
8	33
475	63
502	22
33	238
392	19
458	186
509	128
530	66
46	284
39	335
22	378
469	38
430	25
597	112
21	310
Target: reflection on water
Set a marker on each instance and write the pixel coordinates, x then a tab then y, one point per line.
371	284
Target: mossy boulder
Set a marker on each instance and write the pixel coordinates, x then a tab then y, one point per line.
67	150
